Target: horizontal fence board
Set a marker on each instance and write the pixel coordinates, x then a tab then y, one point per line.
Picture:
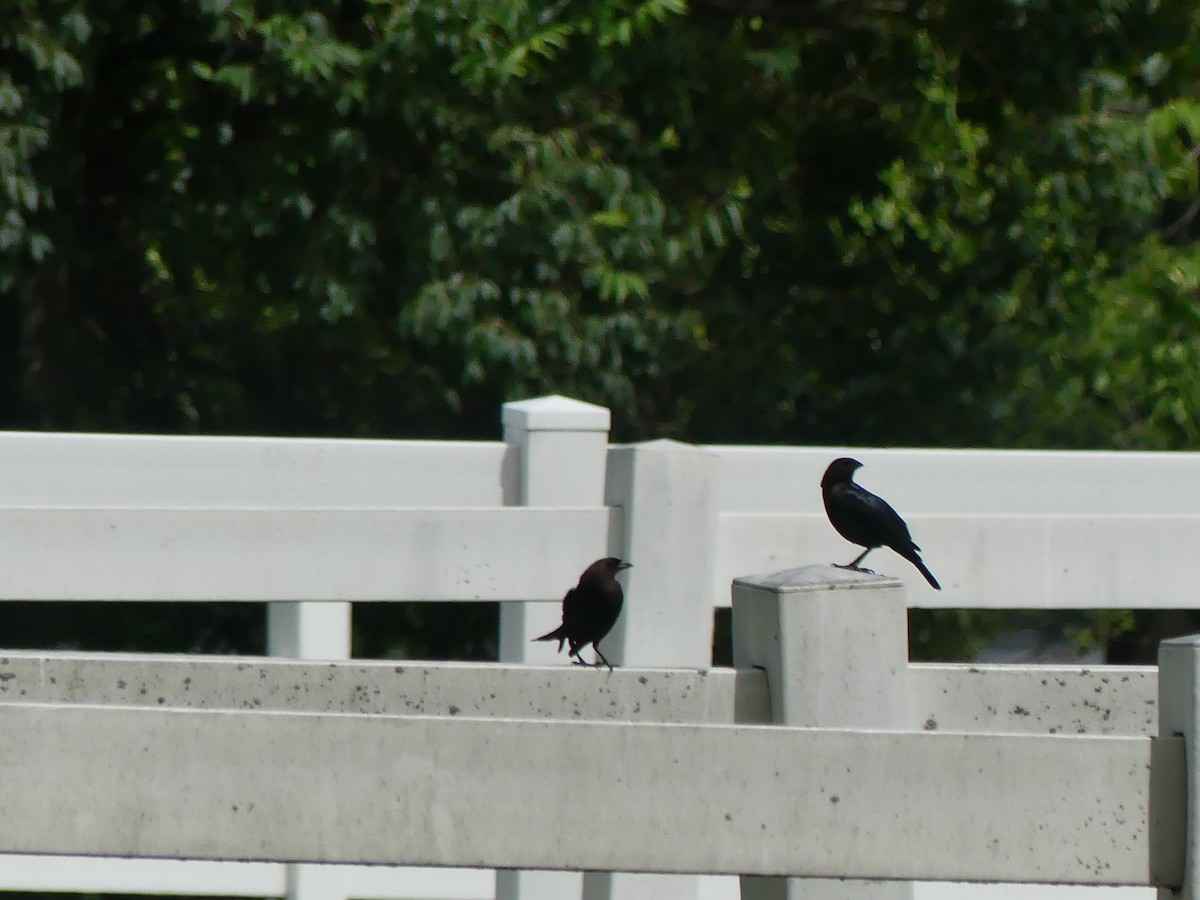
112	470
1024	699
590	795
91	875
315	554
87	874
471	689
928	890
944	482
88	469
991	562
1034	699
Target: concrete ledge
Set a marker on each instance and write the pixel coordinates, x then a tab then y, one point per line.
395	688
1031	699
535	794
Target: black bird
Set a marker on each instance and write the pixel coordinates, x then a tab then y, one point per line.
864	519
590	609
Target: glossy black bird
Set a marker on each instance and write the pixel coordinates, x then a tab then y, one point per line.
590	609
864	519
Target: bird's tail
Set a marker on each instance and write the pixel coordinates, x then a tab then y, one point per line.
559	634
916	561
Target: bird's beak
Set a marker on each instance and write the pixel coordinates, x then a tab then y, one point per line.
621	567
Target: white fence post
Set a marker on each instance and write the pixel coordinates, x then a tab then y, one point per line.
668	492
1178	701
310	631
561	445
834	644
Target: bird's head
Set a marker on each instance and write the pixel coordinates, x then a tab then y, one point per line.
609	566
840	470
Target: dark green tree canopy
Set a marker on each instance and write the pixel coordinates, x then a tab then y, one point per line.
920	222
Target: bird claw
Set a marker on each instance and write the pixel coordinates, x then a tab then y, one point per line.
862	569
592	665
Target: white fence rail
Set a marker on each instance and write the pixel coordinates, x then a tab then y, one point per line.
297	554
643	770
1091	794
106	517
537	794
1089	529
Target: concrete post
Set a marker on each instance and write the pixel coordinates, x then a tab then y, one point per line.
834	644
310	631
561	447
668	491
1178	701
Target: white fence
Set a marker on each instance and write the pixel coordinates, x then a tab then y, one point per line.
85	517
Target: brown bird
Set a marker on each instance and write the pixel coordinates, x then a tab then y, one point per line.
864	519
590	609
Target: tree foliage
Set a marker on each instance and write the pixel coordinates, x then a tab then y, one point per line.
385	218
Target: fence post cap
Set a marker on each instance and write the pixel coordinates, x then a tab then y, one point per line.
1191	641
664	445
815	578
555	413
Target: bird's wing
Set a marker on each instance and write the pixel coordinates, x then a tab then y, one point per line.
891	527
572	608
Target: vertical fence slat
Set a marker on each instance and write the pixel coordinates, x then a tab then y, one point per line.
667	491
1178	702
561	445
310	631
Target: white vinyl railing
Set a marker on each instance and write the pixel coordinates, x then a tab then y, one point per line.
325	522
655	770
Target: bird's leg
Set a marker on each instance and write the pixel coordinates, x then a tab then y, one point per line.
578	660
855	565
596	647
